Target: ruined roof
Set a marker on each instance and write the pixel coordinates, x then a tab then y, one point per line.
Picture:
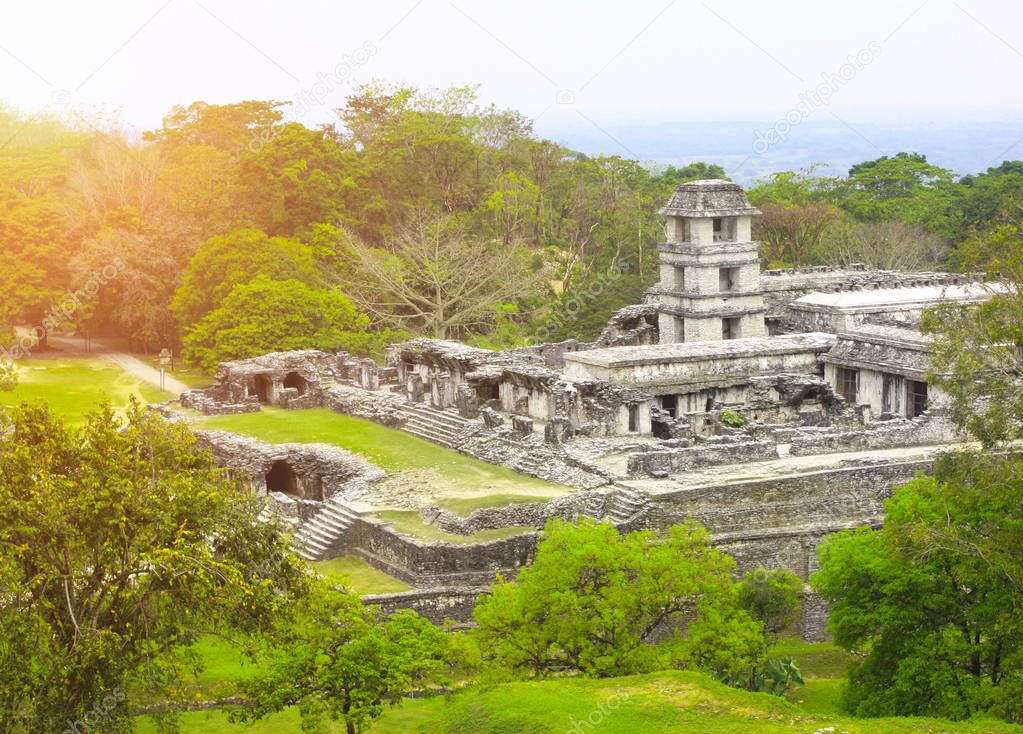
612	357
713	197
884	349
902	298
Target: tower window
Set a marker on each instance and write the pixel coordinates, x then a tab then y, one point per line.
717	229
730	328
728	279
633	418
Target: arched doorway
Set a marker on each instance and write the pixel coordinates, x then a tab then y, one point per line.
260	387
295	380
282	478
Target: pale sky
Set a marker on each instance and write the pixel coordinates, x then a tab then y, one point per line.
568	64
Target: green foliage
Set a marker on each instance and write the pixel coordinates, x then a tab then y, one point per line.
772	597
120	544
234	259
732	419
592	599
977	356
8	375
278	315
932	599
337	659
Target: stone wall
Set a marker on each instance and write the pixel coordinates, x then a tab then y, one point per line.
437	563
439	605
664	463
321	471
924	430
526	514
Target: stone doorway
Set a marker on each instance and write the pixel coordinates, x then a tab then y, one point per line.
295	380
282	478
260	387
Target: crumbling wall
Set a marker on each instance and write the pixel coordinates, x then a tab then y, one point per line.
524	514
927	429
662	463
322	471
437	563
439	605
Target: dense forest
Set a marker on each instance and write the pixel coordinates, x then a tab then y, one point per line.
231	231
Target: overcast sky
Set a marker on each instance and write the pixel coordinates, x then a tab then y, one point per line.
568	64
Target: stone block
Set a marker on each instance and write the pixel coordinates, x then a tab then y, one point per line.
522	425
491	418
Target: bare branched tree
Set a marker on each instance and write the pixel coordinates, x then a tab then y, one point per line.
434	278
887	245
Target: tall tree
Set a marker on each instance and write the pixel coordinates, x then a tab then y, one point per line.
593	600
932	601
120	543
436	278
236	258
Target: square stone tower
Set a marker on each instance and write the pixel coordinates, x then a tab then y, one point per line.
710	266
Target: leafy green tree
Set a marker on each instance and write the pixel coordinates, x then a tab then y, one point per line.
279	315
672	176
236	258
931	601
904	187
292	181
120	544
977	354
773	597
337	659
593	599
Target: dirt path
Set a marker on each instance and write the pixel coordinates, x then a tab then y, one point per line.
131	365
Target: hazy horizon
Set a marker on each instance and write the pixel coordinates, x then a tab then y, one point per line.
598	77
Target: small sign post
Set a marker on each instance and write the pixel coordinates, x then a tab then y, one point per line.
165	362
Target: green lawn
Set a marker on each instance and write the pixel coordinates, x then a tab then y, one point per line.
657	703
411	523
191	376
462	477
73	387
358	575
816	659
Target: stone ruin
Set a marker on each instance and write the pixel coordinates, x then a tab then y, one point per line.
775	407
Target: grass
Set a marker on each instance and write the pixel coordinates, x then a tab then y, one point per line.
464	506
73	387
393	450
816	659
410	523
215	722
656	703
191	376
358	575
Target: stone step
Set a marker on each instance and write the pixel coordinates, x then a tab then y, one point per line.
433	430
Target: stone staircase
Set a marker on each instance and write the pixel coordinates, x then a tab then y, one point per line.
439	426
319	536
627	504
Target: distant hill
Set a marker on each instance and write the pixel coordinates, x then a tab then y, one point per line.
962	147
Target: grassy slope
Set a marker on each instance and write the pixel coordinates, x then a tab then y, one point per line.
358	576
391	449
73	387
658	703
